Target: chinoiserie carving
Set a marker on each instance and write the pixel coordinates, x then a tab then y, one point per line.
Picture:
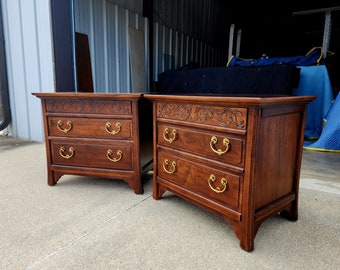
89	106
221	116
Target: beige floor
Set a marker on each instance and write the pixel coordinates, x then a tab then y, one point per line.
321	171
88	223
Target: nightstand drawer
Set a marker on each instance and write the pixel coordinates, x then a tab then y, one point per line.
90	127
222	117
89	153
222	147
200	178
89	106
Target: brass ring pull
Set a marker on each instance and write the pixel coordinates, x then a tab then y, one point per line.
110	152
67	156
219	152
108	126
166	133
173	165
68	126
224	183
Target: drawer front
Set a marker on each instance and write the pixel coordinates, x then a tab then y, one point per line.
90	127
219	117
90	154
223	147
90	106
200	178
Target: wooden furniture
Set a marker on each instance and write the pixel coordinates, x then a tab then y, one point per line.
238	157
102	135
83	63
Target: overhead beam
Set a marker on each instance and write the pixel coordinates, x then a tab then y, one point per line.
327	26
313	11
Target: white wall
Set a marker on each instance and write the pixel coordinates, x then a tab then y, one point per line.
29	55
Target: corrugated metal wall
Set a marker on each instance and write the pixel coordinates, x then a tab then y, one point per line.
178	39
181	36
204	20
185	31
107	25
28	44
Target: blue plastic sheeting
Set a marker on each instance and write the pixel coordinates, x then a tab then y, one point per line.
330	136
313	57
314	81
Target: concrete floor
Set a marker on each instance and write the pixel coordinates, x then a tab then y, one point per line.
88	223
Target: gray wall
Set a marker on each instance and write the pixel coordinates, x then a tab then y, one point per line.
28	43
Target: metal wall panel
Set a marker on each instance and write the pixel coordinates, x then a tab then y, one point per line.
106	25
185	31
178	38
135	6
173	49
28	43
204	20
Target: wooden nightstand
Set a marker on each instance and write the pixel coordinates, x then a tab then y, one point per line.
102	135
238	157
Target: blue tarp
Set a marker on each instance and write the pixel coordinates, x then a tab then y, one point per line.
314	81
313	57
330	136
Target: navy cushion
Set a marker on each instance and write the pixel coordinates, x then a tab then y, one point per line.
278	79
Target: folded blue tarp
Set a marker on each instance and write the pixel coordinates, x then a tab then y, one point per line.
313	57
330	136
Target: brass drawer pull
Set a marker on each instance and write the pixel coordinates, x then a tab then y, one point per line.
166	133
68	126
219	152
224	183
110	152
173	165
67	156
108	126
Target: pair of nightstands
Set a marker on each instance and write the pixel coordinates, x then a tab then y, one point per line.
236	156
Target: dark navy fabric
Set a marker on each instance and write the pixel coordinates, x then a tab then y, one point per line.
312	58
272	79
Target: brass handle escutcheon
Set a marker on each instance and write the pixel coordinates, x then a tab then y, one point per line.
67	156
219	152
224	183
173	165
67	128
110	152
166	134
108	126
